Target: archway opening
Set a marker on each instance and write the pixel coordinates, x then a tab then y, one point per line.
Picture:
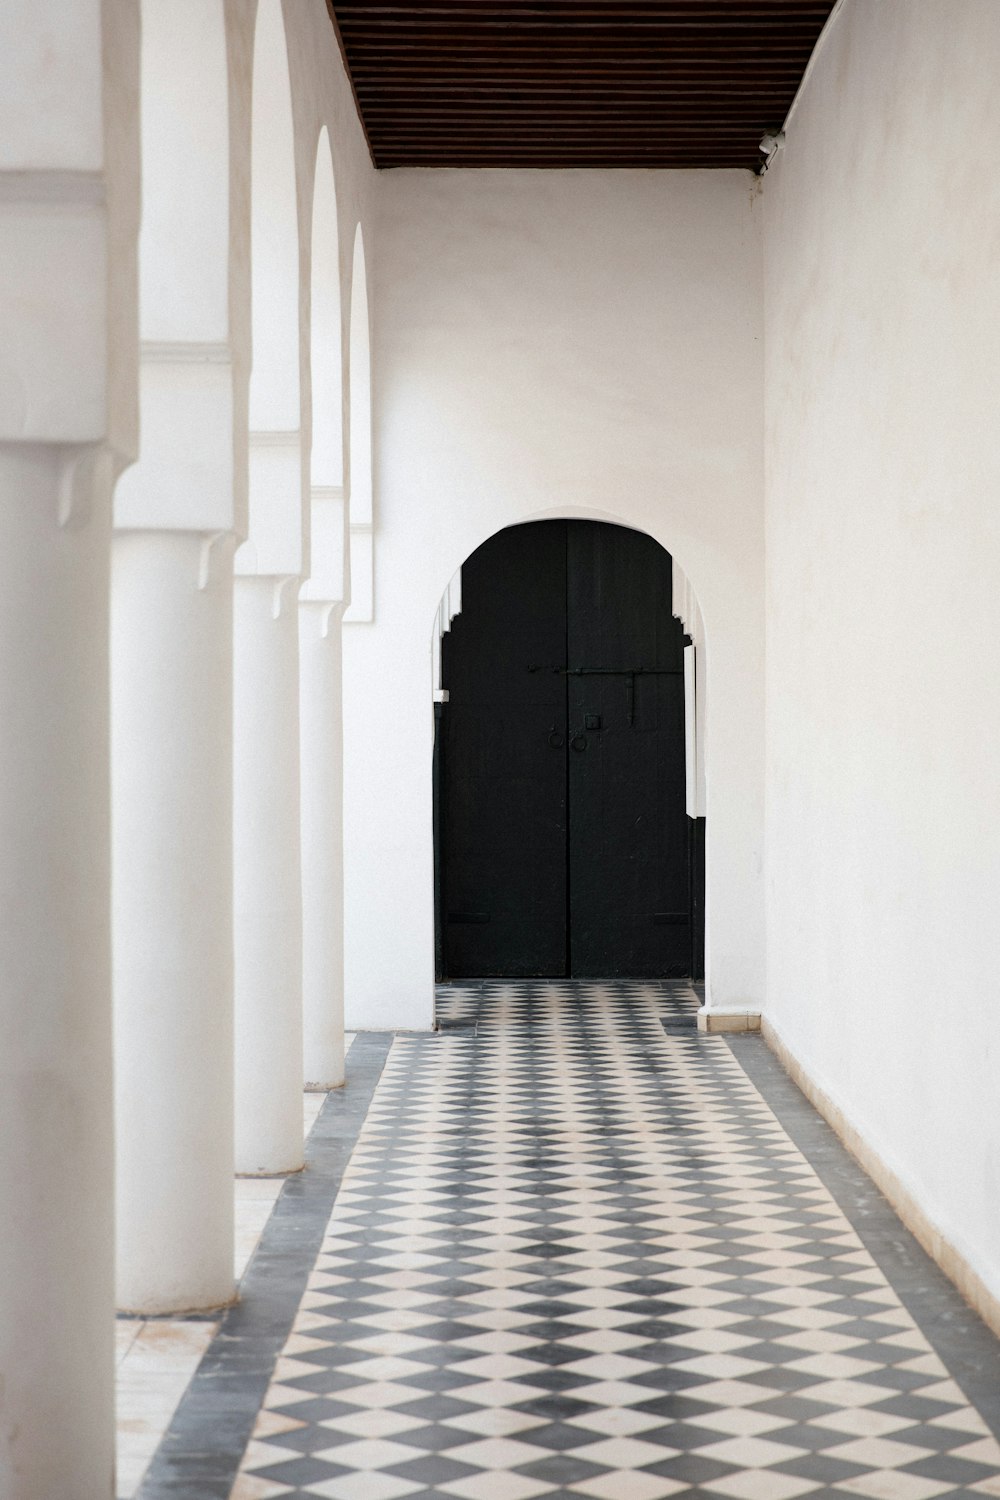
274	382
362	606
328	510
325	354
278	525
565	844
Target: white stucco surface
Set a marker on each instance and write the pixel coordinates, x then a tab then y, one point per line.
883	547
184	279
172	901
68	219
52	88
571	343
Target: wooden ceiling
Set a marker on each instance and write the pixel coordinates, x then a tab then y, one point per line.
575	83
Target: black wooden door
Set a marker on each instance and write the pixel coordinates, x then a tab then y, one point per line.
629	883
503	759
564	845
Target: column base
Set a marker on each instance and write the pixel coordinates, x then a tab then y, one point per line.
717	1022
291	1172
187	1310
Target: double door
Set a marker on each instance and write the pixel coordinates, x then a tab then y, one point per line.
564	846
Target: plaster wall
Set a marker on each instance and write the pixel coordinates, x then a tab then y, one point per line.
882	218
322	96
69	193
553	343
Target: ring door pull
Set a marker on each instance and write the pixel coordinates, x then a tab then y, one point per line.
579	741
556	740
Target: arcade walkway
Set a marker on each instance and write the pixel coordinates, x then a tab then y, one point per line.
568	1246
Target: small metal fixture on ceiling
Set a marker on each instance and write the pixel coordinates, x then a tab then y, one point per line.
575	83
771	143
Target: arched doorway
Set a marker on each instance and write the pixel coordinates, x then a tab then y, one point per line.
563	841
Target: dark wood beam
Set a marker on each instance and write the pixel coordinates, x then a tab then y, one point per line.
575	82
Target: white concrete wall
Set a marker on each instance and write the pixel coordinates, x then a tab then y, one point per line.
322	96
69	173
883	612
571	343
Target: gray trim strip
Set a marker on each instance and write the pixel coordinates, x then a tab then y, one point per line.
954	1330
200	1454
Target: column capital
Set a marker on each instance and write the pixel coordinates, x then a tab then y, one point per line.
83	473
55	364
210	552
282	587
327	582
277	537
324	613
362	571
186	478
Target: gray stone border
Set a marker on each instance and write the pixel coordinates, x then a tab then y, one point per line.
954	1330
201	1450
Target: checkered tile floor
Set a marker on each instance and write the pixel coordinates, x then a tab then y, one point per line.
575	1254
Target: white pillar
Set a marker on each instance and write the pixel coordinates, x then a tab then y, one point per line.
171	689
56	1148
322	844
267	887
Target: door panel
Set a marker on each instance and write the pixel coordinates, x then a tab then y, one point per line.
504	824
629	903
565	844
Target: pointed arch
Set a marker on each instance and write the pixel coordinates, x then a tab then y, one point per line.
328	549
184	239
326	355
274	279
361	389
185	377
278	524
361	491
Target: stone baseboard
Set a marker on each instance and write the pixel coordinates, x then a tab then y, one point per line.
718	1022
938	1247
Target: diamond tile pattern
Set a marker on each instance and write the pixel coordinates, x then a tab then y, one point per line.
576	1254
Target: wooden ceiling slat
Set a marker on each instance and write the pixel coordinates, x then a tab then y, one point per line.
559	119
506	159
558	160
568	56
670	83
414	72
502	142
549	90
573	151
432	32
654	140
583	28
652	71
674	12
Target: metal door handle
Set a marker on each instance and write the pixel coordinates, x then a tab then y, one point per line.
556	740
579	741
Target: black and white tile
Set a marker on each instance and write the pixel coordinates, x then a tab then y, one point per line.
575	1253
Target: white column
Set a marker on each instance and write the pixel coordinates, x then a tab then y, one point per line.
56	1148
267	886
322	844
171	677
